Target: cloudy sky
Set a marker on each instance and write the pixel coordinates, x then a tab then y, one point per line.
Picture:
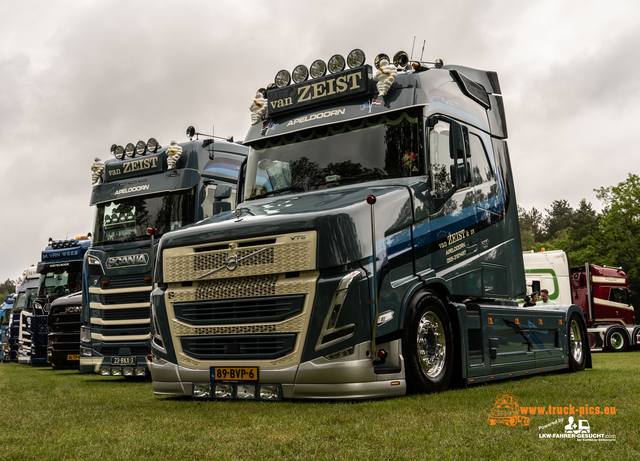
78	76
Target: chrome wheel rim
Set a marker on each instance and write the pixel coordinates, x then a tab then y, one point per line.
575	340
431	344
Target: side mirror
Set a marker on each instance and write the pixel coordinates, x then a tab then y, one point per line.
222	192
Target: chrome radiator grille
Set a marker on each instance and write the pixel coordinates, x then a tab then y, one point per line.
270	269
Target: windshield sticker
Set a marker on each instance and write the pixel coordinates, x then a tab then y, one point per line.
132	189
309	118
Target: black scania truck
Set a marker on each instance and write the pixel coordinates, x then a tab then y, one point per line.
375	247
142	193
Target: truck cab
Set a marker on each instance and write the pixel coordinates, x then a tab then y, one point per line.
24	309
5	317
139	195
58	328
374	250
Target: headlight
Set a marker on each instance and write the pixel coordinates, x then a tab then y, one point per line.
356	58
141	148
300	73
318	68
85	335
152	145
92	260
129	150
118	152
336	63
283	78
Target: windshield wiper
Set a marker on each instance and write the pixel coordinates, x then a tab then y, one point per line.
349	178
277	191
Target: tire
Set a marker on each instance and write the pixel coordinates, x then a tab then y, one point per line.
616	341
427	343
578	345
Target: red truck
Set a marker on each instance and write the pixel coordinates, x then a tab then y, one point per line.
602	292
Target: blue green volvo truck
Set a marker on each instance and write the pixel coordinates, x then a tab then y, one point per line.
144	192
375	248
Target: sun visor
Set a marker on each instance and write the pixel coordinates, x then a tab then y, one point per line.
169	181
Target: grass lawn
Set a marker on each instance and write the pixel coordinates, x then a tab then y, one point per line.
50	414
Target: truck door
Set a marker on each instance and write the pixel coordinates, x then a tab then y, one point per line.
453	210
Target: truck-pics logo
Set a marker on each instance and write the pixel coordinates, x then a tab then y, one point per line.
129	260
506	410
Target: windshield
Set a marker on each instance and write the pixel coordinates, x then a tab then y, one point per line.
21	301
362	150
59	282
127	220
6	316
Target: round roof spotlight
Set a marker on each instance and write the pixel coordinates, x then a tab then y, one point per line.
119	152
130	150
283	78
318	68
300	73
270	86
400	59
336	63
112	149
141	148
356	58
263	92
191	132
380	57
438	63
152	145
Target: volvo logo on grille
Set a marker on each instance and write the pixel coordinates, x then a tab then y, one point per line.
129	260
231	263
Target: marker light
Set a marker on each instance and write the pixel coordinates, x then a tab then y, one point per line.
152	145
318	68
141	148
130	150
119	152
336	63
380	57
300	73
283	78
356	58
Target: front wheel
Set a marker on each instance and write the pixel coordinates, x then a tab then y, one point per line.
428	345
577	343
616	341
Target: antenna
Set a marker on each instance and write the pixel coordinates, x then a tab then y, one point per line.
422	54
413	46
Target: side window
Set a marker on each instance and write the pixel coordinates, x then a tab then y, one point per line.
619	295
211	207
480	167
440	158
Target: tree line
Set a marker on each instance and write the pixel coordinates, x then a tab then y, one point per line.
611	237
